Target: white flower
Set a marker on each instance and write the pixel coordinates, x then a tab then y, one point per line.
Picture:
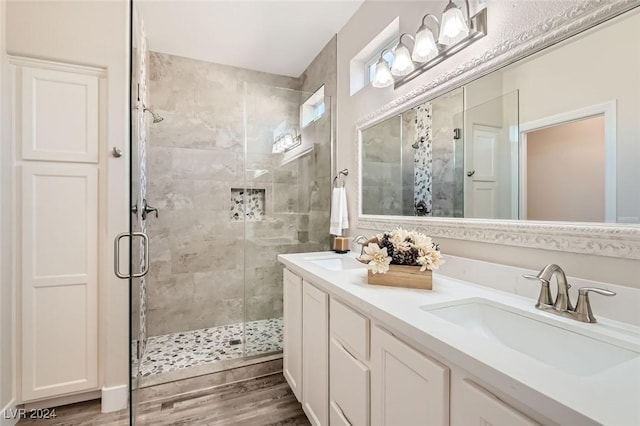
429	258
377	257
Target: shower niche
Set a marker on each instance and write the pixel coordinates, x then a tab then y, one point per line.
247	204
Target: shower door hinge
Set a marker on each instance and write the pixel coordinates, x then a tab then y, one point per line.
138	350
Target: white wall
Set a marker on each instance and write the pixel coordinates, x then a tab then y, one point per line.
554	177
505	17
6	278
587	72
92	33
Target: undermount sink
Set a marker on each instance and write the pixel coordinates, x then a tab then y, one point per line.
549	343
337	263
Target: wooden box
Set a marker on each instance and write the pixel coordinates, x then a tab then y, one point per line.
403	276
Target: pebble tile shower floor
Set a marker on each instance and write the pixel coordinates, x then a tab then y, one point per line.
176	351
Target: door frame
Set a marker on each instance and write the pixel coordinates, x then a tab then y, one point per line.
609	111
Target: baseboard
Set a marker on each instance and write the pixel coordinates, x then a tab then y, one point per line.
9	415
114	398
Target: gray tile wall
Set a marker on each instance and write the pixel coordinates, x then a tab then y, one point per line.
200	259
447	178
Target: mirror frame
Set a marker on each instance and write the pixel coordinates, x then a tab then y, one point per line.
612	240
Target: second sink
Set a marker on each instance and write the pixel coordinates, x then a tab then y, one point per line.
337	263
553	345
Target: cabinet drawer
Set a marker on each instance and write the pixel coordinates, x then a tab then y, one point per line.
349	385
482	407
336	417
350	328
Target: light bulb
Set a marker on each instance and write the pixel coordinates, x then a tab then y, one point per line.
454	26
425	47
402	63
382	77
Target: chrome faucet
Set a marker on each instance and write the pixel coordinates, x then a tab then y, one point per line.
562	305
362	240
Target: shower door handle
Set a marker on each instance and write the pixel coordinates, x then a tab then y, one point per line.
116	255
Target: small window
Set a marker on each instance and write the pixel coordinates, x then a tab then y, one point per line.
313	108
362	65
370	69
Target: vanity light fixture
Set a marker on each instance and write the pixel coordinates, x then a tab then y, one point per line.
453	33
425	47
382	76
455	26
402	63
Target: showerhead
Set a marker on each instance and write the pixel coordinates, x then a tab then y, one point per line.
156	117
417	143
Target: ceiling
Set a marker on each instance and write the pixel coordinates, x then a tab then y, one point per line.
279	37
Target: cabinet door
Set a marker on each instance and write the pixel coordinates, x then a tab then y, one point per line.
59	279
407	387
60	114
349	385
315	356
292	345
477	406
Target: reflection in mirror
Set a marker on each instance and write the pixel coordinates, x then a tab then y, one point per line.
553	137
412	163
490	155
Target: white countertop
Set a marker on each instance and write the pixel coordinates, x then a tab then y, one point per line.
609	397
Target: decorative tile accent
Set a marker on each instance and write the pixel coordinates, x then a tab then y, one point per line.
176	351
423	158
141	142
247	204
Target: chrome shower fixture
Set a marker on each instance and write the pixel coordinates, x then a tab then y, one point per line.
156	117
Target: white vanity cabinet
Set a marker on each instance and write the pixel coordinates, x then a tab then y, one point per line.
407	387
473	405
292	336
349	375
347	370
315	354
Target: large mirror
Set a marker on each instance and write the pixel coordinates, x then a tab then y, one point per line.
552	137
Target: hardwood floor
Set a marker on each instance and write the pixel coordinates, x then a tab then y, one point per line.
255	402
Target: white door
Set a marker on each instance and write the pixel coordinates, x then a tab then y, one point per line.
407	387
481	172
315	355
59	279
292	344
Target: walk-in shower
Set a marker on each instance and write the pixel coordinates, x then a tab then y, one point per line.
230	198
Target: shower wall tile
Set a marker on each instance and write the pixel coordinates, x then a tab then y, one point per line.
204	164
172	290
218	285
221	311
259	307
196	155
195	158
201	256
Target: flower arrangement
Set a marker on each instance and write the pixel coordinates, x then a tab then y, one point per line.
401	247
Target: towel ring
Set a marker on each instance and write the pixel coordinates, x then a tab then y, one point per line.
338	178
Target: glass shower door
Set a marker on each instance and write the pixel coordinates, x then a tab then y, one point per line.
138	244
285	198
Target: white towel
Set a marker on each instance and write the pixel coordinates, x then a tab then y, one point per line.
339	212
